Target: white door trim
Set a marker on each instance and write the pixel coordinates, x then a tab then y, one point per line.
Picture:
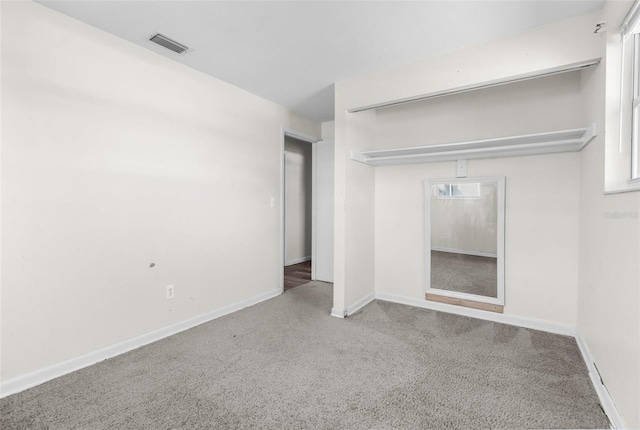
314	206
319	238
286	131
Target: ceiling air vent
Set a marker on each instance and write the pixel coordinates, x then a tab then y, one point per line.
164	41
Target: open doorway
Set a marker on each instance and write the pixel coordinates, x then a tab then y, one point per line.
297	193
307	204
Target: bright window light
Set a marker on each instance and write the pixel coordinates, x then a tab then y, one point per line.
469	190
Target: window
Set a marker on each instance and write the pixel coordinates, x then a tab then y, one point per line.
635	108
470	190
629	149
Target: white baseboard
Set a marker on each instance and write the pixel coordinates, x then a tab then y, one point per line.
38	377
360	304
297	261
603	394
23	382
532	323
338	313
460	251
558	328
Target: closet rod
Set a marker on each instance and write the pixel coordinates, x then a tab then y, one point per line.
488	84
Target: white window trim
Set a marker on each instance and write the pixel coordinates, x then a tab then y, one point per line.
635	110
622	165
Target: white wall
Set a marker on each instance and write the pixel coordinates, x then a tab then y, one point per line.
557	44
297	200
567	259
542	192
354	213
549	46
609	264
114	157
328	130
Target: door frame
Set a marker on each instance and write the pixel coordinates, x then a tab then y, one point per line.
312	140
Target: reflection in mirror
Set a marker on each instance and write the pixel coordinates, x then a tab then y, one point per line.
465	258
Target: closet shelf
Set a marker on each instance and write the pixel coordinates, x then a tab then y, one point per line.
511	146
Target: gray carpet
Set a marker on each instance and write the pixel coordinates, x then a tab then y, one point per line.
286	364
464	273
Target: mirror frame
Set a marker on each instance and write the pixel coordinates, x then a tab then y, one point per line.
500	182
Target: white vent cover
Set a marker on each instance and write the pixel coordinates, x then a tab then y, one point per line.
165	42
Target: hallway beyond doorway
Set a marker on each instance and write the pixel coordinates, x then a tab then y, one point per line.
297	274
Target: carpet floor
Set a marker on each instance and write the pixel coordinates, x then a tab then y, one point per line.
286	364
464	273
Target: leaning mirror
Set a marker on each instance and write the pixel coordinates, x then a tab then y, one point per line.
464	256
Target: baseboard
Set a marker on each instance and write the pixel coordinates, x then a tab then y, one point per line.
603	394
532	323
552	327
297	261
360	304
23	382
338	313
460	251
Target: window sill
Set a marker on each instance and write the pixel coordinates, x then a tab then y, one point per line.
632	185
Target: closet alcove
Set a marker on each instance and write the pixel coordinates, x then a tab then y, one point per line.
399	135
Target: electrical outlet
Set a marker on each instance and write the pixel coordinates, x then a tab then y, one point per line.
446	235
171	291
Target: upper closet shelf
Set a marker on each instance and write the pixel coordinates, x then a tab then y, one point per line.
528	144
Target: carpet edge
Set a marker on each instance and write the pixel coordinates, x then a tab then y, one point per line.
40	376
602	392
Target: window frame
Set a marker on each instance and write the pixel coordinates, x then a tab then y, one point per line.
635	108
622	155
